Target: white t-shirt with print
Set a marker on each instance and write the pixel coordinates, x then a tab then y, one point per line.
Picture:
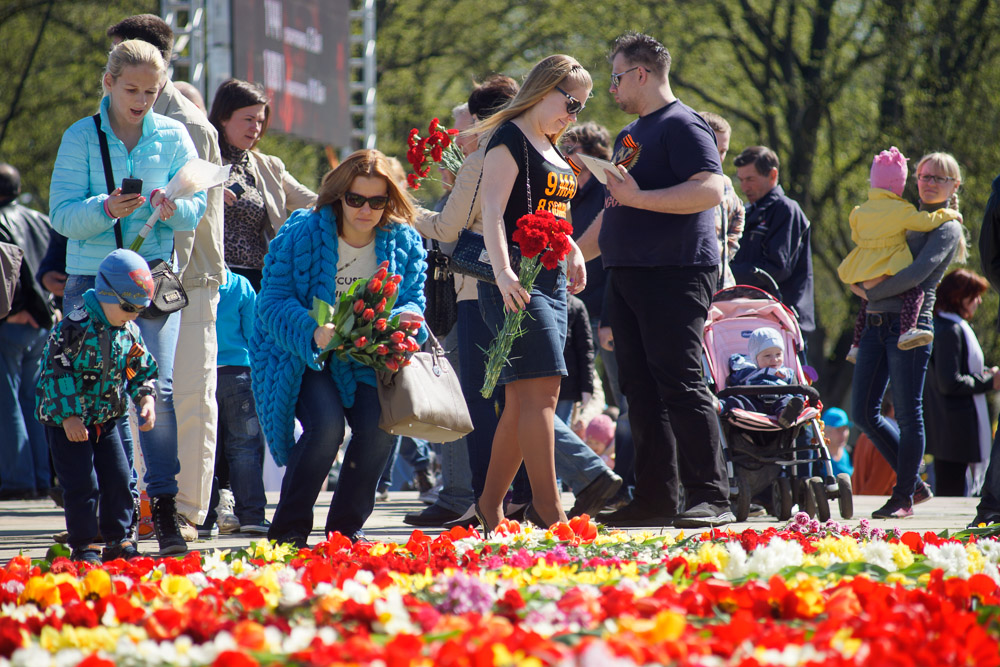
353	264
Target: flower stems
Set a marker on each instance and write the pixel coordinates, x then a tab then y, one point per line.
499	350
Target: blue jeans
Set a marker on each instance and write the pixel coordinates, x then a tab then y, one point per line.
241	442
564	409
456	477
24	452
95	480
879	361
416	454
473	338
322	415
159	446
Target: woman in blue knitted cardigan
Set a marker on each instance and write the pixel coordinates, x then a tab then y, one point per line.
361	218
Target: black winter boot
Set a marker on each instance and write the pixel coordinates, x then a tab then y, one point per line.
168	532
132	534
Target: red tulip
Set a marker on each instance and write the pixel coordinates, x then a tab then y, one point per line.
359	305
368	315
381	350
389	289
397	336
361	341
380	324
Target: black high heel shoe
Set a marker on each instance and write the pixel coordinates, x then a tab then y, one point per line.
487	531
532	515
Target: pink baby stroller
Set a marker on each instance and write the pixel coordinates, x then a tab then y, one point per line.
761	452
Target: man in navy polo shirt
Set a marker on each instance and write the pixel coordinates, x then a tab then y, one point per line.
658	242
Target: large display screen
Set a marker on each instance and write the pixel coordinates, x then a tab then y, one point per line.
298	51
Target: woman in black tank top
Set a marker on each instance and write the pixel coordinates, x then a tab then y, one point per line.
524	172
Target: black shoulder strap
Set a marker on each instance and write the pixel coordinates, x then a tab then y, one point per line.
109	175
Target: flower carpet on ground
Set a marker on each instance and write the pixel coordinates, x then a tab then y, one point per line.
800	594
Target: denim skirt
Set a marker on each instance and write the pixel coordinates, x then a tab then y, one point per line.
539	351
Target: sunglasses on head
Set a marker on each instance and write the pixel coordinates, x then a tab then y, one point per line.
573	105
126	306
377	203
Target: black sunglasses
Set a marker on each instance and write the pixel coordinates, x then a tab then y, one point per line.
354	200
573	105
616	78
126	306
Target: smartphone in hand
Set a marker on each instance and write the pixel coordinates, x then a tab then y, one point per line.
131	186
237	189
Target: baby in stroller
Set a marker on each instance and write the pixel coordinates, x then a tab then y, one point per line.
764	366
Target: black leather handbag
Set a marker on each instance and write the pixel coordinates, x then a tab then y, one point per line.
470	257
441	312
168	293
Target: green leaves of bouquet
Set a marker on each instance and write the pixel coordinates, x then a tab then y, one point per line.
365	330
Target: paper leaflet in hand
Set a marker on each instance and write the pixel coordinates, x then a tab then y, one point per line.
193	177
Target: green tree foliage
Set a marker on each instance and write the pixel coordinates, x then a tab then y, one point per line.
53	55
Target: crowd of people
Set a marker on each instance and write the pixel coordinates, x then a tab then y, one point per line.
242	366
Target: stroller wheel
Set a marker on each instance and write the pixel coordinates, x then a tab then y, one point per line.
781	495
845	497
822	502
741	506
807	499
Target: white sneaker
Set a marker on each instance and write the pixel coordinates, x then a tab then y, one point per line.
227	502
852	355
914	338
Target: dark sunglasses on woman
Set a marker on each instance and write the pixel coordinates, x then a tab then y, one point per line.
354	200
573	105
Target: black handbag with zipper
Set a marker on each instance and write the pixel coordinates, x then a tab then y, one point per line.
168	293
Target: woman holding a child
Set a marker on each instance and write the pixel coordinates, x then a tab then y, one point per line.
361	219
880	359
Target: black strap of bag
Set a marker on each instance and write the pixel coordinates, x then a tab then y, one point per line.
109	174
168	295
469	256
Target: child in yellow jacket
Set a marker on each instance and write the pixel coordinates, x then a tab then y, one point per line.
879	227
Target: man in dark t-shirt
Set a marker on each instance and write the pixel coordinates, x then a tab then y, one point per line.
658	242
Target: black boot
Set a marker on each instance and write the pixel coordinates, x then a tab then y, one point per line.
132	534
168	532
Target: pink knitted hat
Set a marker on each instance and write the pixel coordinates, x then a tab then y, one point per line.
889	171
602	429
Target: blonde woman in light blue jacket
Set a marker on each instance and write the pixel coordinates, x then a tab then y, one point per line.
147	146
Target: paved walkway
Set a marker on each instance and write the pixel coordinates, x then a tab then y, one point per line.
28	526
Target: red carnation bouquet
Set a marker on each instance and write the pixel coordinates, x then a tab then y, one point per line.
544	242
365	329
437	147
